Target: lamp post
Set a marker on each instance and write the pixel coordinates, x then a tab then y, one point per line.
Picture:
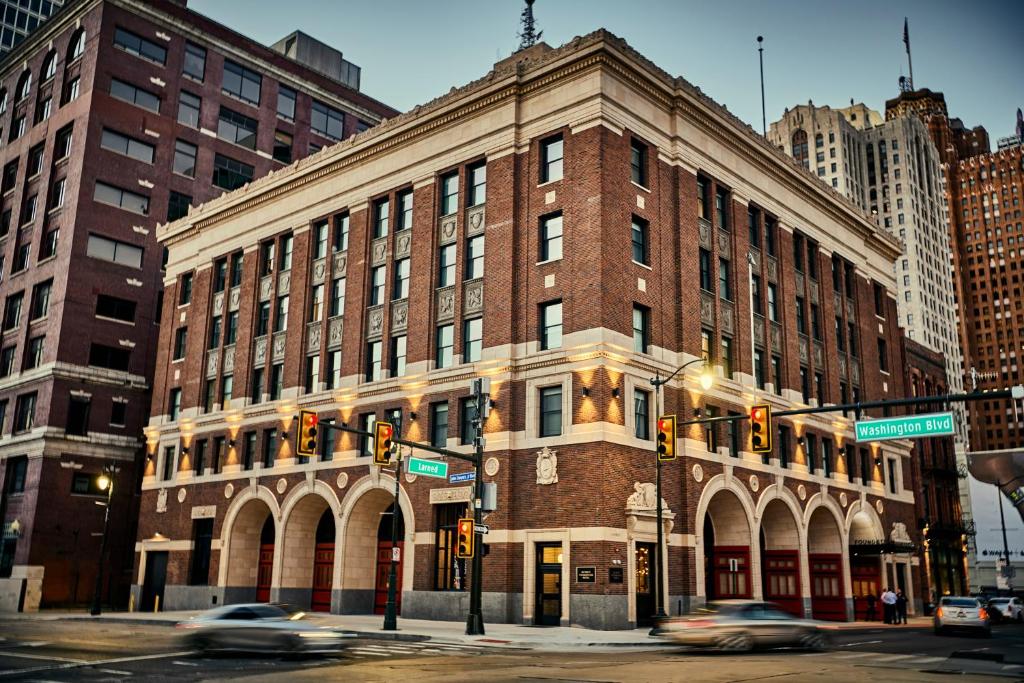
104	482
706	380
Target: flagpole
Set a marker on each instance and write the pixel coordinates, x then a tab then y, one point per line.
906	40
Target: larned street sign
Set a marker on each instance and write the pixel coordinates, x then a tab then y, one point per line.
428	468
908	427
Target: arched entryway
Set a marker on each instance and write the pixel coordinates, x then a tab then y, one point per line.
866	538
250	536
323	563
825	565
726	548
780	557
367	541
299	550
385	533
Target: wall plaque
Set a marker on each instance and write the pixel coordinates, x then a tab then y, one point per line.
458	494
614	574
586	574
204	511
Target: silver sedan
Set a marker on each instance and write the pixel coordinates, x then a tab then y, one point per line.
257	628
742	625
956	613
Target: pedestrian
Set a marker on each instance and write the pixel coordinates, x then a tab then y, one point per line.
889	606
872	615
901	606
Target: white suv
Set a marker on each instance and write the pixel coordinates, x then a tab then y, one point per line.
1009	609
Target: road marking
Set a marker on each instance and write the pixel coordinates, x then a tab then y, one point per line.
45	658
855	655
181	663
375	654
892	658
116	672
1007	667
79	663
929	660
862	642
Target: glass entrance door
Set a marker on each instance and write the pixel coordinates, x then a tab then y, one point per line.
548	610
646	580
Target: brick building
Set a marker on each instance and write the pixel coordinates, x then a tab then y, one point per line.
117	115
631	225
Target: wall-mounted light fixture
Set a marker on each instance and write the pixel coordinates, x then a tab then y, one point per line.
585	392
412	416
697	412
184	451
231	443
615	392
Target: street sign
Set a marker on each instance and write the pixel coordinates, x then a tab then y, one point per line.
483	529
428	468
462	476
396	554
907	427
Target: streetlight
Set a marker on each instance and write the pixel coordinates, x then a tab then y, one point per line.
707	379
104	482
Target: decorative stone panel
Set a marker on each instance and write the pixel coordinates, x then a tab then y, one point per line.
379	251
212	363
403	244
235	299
849	304
842	366
259	354
727	317
855	371
284	283
707	309
476	219
759	332
266	288
819	355
339	264
447	230
773	269
724	244
837	299
798	278
473	296
374	322
755	258
804	354
815	292
446	303
399	315
704	230
319	271
334	329
313	332
280	343
776	338
218	303
229	359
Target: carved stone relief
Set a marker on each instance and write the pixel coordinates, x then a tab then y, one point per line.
284	282
235	299
161	501
229	359
448	229
266	288
773	269
726	316
707	309
814	291
855	371
473	297
212	363
399	315
803	351
799	282
758	333
446	303
280	343
375	321
842	366
319	270
819	355
403	243
644	497
260	351
755	257
724	244
547	466
339	264
379	251
704	230
334	329
475	219
218	303
776	338
313	332
837	299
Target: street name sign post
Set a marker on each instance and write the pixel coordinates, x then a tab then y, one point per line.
905	427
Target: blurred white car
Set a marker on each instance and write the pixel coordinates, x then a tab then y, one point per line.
257	628
742	625
1007	609
962	613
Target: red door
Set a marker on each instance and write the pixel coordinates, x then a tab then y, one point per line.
323	576
380	595
866	577
264	572
731	568
827	600
782	580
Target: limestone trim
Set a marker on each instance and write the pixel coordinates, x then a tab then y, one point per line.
261	493
717	483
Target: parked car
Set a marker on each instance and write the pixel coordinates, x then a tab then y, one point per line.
1006	609
257	628
962	613
741	625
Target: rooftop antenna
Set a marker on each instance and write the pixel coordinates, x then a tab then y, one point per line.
906	41
760	56
529	36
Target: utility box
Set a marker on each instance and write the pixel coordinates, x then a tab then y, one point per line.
489	503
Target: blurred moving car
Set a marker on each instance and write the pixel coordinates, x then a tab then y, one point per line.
962	613
1006	609
257	627
742	625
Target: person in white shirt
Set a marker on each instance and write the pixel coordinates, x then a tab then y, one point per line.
889	606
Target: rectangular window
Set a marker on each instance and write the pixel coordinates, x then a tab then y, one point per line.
188	109
312	374
77	423
209	393
805	385
819	388
215	328
220	274
756	296
641	328
124	199
705	271
194	65
439	424
705	345
282	147
711	430
269	447
328	441
256	389
267	258
17	470
57	193
398	355
883	356
551	411
879	300
327	121
128	146
12	311
551	159
798	252
285	103
40	300
446	266
816	322
24	413
7	360
185	158
281	314
174	404
202	541
231	174
140	47
248	450
784	446
400	286
403	219
777	374
801	316
724	280
449	193
826	456
178	205
133	95
726	359
366	423
34	353
840	335
236	270
467	413
472	340
811	452
168	470
316	303
638	163
477	192
891	462
340	233
865	466
759	376
284	261
241	82
49	245
551	325
551	237
445	345
754	227
381	214
812	259
734	436
722	208
640	249
377	276
276	381
337	296
84	484
642	414
262	318
180	339
475	257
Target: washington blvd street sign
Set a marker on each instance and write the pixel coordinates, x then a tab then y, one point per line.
909	427
428	468
462	476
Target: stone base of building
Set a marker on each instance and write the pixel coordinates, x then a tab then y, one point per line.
23	591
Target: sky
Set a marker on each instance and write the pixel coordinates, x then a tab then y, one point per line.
412	51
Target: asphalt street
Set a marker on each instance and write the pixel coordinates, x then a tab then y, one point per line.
32	650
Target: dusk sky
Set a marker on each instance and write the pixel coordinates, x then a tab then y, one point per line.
411	52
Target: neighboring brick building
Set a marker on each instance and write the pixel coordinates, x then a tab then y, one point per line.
944	530
365	292
116	116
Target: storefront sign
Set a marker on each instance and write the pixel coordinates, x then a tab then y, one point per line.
614	574
458	494
586	574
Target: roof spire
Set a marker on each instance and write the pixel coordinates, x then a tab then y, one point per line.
528	36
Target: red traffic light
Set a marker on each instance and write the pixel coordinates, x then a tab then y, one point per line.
756	414
311	419
386	430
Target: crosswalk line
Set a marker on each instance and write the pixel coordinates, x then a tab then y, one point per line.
929	660
854	655
373	653
892	658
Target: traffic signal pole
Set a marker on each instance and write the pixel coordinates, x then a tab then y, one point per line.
475	619
391	609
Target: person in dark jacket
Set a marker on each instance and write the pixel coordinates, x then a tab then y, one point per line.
872	615
901	606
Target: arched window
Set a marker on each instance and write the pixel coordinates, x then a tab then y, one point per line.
77	45
24	86
800	147
49	67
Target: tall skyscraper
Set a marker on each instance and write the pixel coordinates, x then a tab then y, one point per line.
18	18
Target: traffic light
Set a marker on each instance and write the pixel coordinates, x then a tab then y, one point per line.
467	536
308	422
667	437
382	433
761	428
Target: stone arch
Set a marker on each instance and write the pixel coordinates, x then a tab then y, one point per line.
863	523
778	555
777	525
300	515
361	511
727	499
76	46
240	536
49	68
824	531
24	86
